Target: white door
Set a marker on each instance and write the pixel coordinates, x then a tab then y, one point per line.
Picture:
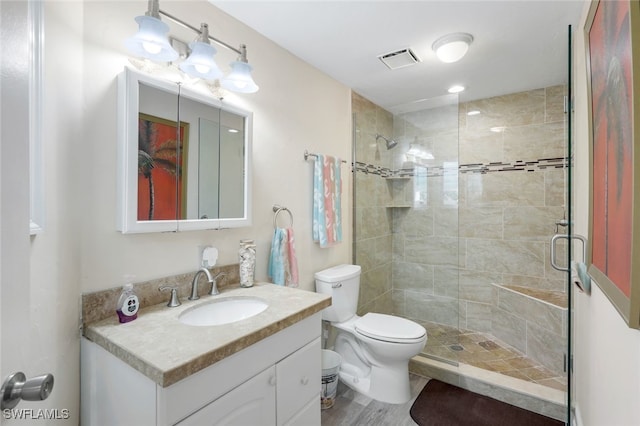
15	62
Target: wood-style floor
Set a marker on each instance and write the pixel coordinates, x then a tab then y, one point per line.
352	409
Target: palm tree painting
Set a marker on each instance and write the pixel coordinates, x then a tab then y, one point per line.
160	165
612	98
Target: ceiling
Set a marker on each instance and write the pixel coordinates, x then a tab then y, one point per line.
518	45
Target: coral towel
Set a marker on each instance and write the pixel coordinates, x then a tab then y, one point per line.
283	264
327	190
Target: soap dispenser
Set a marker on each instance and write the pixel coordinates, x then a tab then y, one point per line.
128	304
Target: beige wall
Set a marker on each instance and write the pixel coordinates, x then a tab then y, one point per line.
607	352
297	108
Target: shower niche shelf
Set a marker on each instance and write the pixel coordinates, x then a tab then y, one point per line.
399	192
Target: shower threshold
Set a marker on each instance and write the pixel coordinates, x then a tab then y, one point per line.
481	363
482	350
521	393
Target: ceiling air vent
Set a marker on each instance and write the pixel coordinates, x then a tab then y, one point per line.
399	59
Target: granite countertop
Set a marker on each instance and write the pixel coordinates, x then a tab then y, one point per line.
162	348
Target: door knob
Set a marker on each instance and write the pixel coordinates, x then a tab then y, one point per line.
17	387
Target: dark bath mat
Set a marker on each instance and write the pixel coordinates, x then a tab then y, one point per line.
441	404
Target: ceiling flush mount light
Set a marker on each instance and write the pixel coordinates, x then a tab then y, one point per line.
240	79
456	89
152	42
200	62
452	47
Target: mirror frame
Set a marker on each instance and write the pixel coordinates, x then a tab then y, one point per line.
127	173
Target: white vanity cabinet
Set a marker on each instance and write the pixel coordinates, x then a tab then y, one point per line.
286	394
251	403
276	381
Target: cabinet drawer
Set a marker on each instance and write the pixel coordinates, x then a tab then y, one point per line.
299	379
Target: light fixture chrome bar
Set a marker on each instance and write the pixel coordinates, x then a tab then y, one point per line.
197	31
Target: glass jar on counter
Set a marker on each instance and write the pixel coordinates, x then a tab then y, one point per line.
247	259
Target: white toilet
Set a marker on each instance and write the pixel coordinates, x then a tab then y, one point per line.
375	348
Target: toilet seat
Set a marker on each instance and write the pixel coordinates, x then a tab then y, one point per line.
390	328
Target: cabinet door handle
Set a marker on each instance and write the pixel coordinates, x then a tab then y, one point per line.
304	381
272	380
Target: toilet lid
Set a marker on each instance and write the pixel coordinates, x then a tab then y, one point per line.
390	328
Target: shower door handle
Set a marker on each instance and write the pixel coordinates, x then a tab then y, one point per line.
567	237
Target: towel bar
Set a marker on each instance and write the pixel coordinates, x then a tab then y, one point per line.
277	209
308	154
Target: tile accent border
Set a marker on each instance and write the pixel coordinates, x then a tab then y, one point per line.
482	168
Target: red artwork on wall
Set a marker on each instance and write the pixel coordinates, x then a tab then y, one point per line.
612	97
160	166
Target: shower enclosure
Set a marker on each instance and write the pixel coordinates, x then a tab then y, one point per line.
452	229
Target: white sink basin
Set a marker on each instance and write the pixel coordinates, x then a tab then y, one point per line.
223	311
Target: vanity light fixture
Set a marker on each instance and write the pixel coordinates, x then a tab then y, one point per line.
240	79
452	47
200	62
151	42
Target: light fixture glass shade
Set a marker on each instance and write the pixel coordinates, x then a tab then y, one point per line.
452	47
200	63
419	153
151	40
240	80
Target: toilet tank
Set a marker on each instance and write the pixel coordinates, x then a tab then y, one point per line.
342	283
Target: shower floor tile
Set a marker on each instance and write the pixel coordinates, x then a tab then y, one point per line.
484	351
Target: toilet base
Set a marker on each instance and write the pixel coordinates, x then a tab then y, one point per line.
389	384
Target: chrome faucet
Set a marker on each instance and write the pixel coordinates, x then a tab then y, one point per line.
210	279
214	284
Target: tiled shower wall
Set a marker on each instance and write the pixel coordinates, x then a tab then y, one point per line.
507	219
372	220
482	213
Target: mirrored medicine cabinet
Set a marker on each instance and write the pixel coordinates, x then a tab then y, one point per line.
184	158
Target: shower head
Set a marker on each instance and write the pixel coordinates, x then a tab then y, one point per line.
391	143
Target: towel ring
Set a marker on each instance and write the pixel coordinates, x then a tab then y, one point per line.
277	209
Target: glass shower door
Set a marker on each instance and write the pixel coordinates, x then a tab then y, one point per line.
570	252
406	216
